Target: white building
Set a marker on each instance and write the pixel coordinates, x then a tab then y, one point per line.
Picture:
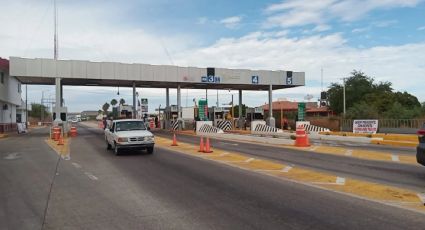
11	104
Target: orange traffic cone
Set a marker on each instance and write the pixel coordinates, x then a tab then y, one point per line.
201	145
207	146
61	142
174	140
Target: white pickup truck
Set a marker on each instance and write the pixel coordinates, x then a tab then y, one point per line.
129	134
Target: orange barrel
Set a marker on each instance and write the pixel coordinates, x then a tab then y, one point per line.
152	124
73	132
56	133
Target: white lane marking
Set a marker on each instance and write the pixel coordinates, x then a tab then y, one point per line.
314	148
340	180
287	169
12	156
234	144
395	158
421	197
91	176
224	154
249	160
76	165
66	157
349	152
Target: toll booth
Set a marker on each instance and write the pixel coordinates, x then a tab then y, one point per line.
171	114
254	114
216	114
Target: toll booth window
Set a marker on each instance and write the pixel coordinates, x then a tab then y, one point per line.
130	125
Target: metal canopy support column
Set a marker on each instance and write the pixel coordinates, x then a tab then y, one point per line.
134	100
179	109
58	103
167	108
241	121
270	120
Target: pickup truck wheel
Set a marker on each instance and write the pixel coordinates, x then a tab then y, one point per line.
116	150
149	150
108	146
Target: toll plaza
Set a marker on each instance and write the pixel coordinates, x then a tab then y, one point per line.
86	73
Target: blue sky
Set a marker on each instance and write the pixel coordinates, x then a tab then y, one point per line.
384	38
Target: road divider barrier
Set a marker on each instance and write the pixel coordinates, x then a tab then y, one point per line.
315	129
207	128
301	137
61	141
224	125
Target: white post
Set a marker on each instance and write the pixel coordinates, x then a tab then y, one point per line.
179	109
134	100
58	101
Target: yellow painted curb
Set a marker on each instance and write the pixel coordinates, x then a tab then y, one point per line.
61	150
385	194
3	136
395	143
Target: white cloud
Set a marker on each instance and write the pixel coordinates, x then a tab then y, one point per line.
421	28
231	22
298	12
321	28
309	54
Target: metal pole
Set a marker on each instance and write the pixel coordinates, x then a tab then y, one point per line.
58	100
206	94
167	108
178	106
26	104
41	107
134	100
55	39
217	100
271	120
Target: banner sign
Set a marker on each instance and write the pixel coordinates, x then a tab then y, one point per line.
144	106
365	126
301	111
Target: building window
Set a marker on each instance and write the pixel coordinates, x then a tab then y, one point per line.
2	77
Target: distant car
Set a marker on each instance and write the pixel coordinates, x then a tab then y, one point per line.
129	134
420	150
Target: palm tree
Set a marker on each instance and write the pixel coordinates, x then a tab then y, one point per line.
113	102
122	101
105	107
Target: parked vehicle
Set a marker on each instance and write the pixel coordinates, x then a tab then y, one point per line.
420	150
129	134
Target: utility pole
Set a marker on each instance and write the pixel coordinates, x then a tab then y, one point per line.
55	38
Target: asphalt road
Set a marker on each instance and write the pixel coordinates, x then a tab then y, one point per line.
400	175
97	190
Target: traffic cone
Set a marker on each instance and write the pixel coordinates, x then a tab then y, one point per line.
61	142
201	145
207	146
174	140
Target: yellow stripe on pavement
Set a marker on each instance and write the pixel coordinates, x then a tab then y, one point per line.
373	191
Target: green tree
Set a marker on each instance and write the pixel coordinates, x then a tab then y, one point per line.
37	109
236	110
122	101
105	108
114	102
362	110
99	111
367	99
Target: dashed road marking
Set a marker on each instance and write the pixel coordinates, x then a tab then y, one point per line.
340	180
91	176
12	156
421	197
349	152
287	169
76	165
249	160
395	157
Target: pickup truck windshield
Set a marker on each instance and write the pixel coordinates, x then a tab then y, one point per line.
130	125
